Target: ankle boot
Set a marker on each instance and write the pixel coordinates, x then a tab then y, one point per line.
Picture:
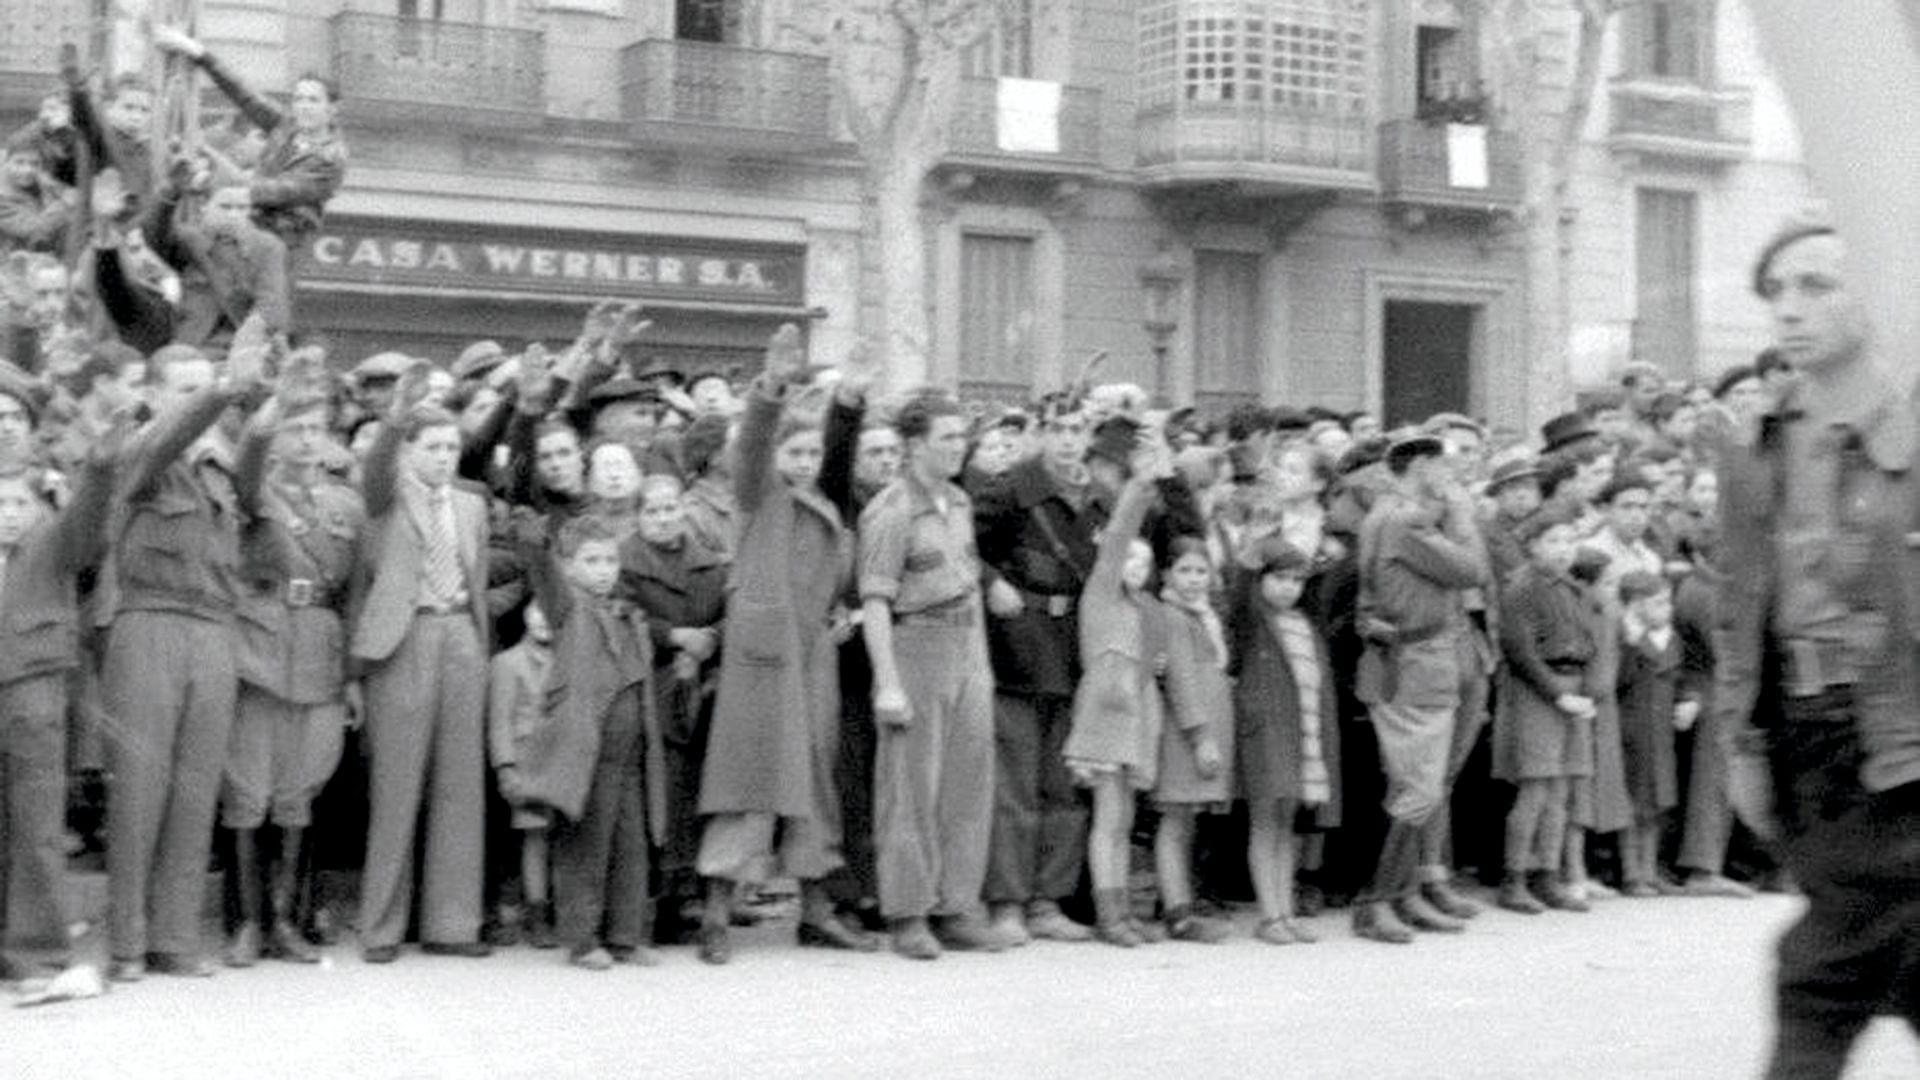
284	940
1112	924
243	890
1515	896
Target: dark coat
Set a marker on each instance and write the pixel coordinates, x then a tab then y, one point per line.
1199	703
1547	641
1649	681
779	676
296	175
224	280
39	607
1267	717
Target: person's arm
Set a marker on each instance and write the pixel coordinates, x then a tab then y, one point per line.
1121	530
142	319
79	538
171	433
162	231
550	590
1520	629
503	695
380	473
1450	557
841	439
261	112
272	299
753	473
476	454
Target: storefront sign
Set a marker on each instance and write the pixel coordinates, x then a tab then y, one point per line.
443	255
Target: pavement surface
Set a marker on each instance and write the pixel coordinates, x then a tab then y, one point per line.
1637	989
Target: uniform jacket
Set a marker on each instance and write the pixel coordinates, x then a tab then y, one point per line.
385	591
1413	575
296	175
779	681
297	554
225	279
1875	568
39	611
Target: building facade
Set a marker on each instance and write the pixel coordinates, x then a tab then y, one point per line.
1309	201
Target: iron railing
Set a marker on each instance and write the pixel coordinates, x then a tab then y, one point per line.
459	66
703	85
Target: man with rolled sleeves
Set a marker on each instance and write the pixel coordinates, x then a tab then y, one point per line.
1037	522
419	634
297	553
1420	553
168	672
932	691
1818	654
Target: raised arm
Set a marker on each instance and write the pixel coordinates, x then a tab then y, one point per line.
841	440
79	539
1121	530
169	436
263	113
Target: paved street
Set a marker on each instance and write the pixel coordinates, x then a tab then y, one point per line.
1651	989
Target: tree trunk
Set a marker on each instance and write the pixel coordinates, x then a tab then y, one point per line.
895	237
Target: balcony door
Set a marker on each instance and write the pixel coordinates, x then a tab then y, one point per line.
1664	279
1228	341
998	302
1427	360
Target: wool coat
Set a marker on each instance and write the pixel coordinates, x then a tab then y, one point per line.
1199	703
1266	709
1123	641
1547	640
779	674
1649	688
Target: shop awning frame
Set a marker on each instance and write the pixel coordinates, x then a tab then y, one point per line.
520	296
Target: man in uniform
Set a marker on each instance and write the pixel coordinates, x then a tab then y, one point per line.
296	554
932	690
1818	655
1420	552
168	672
1037	522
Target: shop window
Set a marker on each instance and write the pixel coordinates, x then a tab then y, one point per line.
1664	275
1228	337
997	311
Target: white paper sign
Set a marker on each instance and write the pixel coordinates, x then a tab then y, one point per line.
1029	116
1466	155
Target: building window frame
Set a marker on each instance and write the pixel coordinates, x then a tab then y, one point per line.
945	366
1496	337
1653	55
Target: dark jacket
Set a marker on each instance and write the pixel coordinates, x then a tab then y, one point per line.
39	609
296	175
224	279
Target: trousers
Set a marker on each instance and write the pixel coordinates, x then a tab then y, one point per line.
169	687
279	757
427	764
33	776
1039	839
1855	952
934	778
600	861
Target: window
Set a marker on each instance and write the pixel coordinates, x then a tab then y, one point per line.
1663	331
1302	55
1444	75
996	314
1673	40
703	20
1227	318
1006	48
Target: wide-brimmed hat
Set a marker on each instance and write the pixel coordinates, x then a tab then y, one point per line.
1565	430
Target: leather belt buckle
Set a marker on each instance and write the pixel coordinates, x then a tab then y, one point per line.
300	592
1059	606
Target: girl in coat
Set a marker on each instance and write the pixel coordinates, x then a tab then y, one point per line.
1286	729
1113	747
1543	725
1650	711
1196	745
767	783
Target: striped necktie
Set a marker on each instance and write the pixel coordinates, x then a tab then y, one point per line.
442	562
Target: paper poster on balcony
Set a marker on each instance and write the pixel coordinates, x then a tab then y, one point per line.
1466	155
1029	116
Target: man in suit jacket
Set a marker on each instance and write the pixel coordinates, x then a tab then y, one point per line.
419	633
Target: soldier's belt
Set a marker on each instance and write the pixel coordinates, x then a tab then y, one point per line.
1056	605
308	592
1810	667
959	611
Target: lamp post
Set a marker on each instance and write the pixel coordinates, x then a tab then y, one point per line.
1160	281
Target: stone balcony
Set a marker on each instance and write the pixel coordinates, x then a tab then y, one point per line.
1682	121
1261	147
411	71
1416	172
693	94
983	139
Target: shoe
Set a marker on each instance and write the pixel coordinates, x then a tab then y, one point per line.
1715	885
1275	931
468	950
637	955
1597	890
1448	902
1300	932
285	942
1114	924
1375	921
593	958
1557	896
123	970
1515	896
500	933
715	947
1639	890
831	933
865	916
1151	931
243	948
967	933
914	940
1046	922
538	927
182	965
380	954
1664	886
1010	922
1417	913
1184	925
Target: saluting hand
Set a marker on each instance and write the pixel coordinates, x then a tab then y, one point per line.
785	357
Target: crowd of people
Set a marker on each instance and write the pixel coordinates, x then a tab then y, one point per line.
692	635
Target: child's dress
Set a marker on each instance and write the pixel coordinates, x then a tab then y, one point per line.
1286	721
1199	699
1123	644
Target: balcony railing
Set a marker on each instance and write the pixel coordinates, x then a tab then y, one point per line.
976	138
1257	144
1681	120
698	93
31	33
396	68
1417	169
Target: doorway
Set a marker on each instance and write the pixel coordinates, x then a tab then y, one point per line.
1427	360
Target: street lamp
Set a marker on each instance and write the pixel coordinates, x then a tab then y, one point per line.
1160	281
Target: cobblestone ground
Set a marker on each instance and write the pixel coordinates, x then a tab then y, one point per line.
1638	989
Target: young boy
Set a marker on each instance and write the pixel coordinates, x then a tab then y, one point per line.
516	711
599	761
1651	710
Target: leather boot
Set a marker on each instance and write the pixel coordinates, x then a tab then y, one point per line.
1112	922
284	940
1443	896
1552	893
1516	897
243	891
1375	921
1417	913
820	928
